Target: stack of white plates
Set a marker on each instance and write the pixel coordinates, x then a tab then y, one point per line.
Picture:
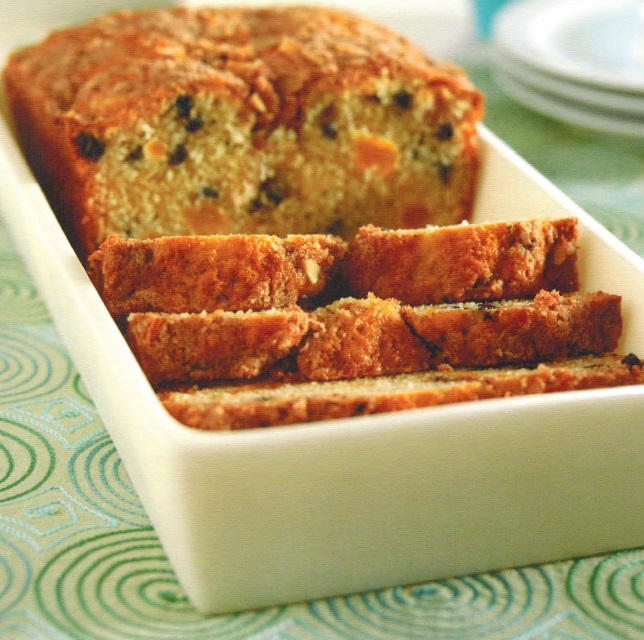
579	61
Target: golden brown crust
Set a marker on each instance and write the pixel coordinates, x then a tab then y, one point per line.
252	405
217	345
488	261
316	118
550	327
196	273
357	338
286	48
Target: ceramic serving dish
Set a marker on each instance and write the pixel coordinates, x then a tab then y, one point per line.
269	516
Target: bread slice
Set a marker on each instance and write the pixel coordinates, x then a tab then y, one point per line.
549	327
221	344
457	263
278	120
357	338
179	274
250	405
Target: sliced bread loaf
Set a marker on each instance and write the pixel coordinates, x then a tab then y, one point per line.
183	121
372	337
240	406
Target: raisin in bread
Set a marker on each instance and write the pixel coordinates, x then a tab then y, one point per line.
465	262
264	404
276	120
178	274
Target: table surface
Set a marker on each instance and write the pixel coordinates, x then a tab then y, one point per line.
79	558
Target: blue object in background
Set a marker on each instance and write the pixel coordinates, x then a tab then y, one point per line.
484	14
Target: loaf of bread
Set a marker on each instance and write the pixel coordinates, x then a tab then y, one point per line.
549	327
277	120
180	274
222	344
465	262
258	404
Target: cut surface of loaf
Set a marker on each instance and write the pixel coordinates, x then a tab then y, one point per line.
178	274
549	327
276	120
252	405
464	262
221	344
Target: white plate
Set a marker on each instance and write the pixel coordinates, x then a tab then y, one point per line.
267	516
562	88
598	42
571	112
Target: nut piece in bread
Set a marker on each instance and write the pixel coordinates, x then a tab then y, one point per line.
222	344
179	274
240	406
277	120
465	262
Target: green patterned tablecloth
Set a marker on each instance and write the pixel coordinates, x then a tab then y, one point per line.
79	559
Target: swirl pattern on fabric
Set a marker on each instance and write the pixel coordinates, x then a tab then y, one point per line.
29	368
27	460
493	605
610	592
120	585
97	473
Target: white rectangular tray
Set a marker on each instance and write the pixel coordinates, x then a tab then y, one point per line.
268	516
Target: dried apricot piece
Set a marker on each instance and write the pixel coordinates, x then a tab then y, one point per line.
372	152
